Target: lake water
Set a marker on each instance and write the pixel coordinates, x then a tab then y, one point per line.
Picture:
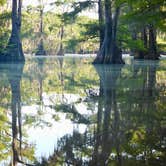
65	111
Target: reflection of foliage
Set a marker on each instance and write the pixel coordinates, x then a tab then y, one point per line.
36	121
4	137
129	125
75	77
11	118
70	150
127	112
77	117
4	29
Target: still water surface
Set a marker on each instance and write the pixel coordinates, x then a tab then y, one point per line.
65	111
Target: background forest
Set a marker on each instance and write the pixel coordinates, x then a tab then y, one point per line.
71	26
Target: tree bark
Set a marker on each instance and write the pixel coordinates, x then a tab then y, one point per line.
14	48
109	53
61	50
148	37
144	39
104	51
40	49
101	21
116	53
152	44
19	15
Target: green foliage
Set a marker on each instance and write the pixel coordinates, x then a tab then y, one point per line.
4	137
73	36
2	2
125	40
145	12
79	7
91	29
138	14
28	153
4	30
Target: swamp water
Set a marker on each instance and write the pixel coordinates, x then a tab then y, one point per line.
65	111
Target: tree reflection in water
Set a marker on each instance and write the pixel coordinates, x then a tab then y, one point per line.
125	124
129	125
16	110
13	73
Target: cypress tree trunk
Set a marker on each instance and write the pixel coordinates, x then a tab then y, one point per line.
134	38
20	21
144	38
19	15
152	44
61	50
101	21
105	48
40	78
109	52
14	48
133	30
148	37
40	49
116	53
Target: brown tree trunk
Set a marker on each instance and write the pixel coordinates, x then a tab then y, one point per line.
61	50
109	52
101	21
152	53
19	15
132	28
144	39
148	37
134	38
116	53
40	49
14	48
40	78
104	52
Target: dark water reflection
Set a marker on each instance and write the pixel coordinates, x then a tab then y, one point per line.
68	112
